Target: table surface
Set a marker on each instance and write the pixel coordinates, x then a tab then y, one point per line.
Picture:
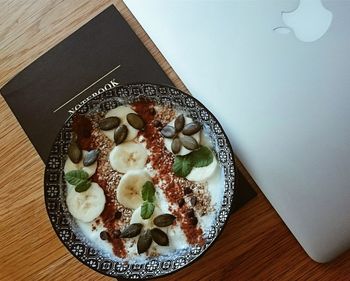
255	244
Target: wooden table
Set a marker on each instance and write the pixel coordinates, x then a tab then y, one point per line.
255	245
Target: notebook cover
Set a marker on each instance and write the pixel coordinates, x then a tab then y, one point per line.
104	43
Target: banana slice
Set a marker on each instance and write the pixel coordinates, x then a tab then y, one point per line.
70	166
148	223
128	156
203	173
121	112
130	188
88	205
183	150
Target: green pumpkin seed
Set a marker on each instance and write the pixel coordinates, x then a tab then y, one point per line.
189	142
176	146
164	220
74	152
120	134
109	123
131	231
168	132
179	123
160	237
144	242
135	121
91	157
192	128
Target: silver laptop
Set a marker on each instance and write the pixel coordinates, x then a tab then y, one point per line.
277	75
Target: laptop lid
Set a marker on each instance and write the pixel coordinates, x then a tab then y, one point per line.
279	84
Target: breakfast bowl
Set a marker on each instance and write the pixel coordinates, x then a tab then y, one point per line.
139	181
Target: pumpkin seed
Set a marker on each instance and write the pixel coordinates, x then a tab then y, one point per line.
109	123
74	152
144	242
164	220
191	128
179	123
91	157
176	145
189	142
168	132
120	134
160	237
131	231
135	121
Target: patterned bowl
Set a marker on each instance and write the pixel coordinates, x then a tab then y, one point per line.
55	187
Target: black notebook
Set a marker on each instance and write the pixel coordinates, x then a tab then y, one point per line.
100	55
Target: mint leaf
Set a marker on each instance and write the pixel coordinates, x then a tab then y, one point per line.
182	166
198	158
148	191
76	177
201	157
79	178
147	207
83	186
147	210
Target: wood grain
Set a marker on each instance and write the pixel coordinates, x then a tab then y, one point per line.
255	245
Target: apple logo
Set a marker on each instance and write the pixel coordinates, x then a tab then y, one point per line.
310	21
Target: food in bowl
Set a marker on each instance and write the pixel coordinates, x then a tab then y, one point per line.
142	179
